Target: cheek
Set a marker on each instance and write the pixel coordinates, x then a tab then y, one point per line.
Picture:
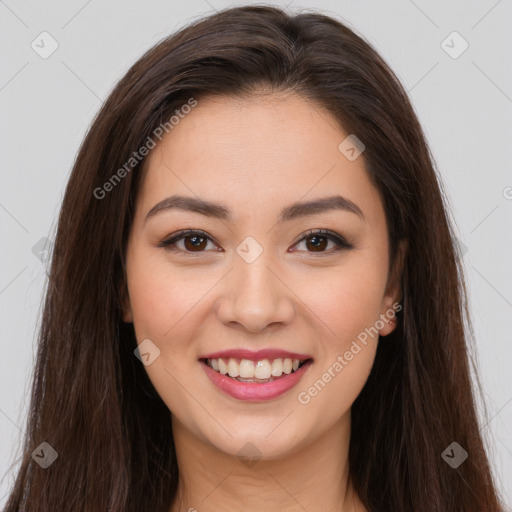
162	301
348	304
161	297
346	301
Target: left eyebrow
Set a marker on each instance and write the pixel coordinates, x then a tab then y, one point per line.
316	206
291	212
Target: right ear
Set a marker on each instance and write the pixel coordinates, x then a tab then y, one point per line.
125	303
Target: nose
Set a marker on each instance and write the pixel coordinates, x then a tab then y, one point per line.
256	296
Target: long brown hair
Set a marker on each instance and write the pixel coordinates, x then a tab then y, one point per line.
91	398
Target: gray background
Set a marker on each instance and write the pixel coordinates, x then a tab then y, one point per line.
464	105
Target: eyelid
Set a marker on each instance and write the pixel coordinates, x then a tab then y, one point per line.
171	240
341	242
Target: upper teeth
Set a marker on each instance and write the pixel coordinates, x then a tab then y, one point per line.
248	369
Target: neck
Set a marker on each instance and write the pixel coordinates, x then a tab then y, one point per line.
313	477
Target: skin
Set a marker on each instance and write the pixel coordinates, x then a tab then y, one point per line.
256	155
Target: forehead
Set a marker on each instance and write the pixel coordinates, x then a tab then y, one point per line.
256	152
266	135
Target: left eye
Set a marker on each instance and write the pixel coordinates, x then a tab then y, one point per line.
318	240
196	241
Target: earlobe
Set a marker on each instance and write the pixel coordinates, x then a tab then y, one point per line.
388	316
388	322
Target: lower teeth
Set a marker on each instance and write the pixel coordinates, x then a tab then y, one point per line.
260	381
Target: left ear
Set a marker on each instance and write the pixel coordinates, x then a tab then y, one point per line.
393	294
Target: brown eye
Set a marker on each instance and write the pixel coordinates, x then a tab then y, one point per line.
318	241
193	242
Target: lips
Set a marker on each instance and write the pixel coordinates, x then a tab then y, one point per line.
255	375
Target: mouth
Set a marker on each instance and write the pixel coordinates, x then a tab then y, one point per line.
255	376
260	371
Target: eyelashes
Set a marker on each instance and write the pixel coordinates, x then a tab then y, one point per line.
170	243
196	242
339	241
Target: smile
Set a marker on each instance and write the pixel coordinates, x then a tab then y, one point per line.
255	376
264	370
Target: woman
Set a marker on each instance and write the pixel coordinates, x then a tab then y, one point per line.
255	301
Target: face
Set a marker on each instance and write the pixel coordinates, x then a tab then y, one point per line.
256	279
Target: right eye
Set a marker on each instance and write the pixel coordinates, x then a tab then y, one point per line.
194	241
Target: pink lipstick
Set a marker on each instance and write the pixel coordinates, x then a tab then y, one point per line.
255	376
